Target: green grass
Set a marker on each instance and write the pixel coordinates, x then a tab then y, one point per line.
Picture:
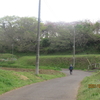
53	61
86	93
11	80
6	56
60	61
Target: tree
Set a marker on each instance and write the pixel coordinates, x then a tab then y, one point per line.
26	30
54	36
19	31
97	28
84	32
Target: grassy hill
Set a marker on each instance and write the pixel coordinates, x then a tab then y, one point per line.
90	88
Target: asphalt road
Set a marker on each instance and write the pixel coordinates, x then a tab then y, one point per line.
56	89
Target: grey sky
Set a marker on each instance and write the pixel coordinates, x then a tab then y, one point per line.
53	10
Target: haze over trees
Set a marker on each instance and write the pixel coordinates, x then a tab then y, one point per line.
21	32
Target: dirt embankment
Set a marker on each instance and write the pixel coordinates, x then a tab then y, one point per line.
41	71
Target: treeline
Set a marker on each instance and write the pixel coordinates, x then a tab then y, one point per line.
19	34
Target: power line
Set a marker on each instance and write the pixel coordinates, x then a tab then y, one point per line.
51	10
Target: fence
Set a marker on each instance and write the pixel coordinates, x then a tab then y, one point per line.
94	66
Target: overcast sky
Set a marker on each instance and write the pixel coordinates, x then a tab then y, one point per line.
53	10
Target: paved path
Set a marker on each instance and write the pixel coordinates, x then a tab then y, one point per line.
56	89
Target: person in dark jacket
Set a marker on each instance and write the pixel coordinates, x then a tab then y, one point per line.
71	69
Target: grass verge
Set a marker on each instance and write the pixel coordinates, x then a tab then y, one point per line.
90	88
10	79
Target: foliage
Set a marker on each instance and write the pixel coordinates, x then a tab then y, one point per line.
45	42
19	34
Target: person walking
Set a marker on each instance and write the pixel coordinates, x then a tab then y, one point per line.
71	69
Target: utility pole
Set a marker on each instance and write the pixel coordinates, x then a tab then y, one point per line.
74	47
12	50
38	40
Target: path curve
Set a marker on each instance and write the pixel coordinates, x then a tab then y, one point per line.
64	88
